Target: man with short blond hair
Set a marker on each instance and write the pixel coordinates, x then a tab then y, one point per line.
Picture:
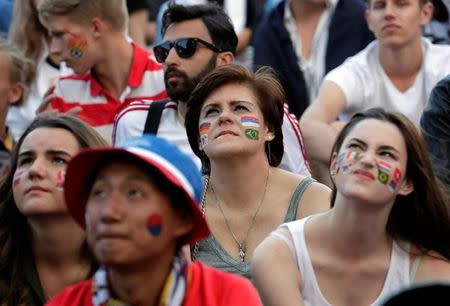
111	72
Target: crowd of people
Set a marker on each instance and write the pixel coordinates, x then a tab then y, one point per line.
182	152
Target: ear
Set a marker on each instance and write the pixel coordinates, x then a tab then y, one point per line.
333	165
184	225
224	58
98	27
15	94
406	187
368	19
269	135
427	13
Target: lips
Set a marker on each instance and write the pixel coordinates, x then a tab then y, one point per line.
364	174
34	189
390	27
226	132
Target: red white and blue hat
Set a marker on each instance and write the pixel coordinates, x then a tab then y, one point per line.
176	166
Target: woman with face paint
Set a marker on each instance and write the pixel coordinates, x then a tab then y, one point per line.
233	124
139	206
388	228
43	249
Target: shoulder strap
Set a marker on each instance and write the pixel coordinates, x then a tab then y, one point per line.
302	186
154	116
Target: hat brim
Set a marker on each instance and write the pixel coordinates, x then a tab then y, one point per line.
81	172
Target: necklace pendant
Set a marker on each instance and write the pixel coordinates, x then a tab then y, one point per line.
242	253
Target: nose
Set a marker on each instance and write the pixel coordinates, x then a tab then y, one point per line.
389	10
225	116
37	169
55	47
112	209
368	159
172	57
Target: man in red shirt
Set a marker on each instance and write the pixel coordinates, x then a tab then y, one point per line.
139	204
111	72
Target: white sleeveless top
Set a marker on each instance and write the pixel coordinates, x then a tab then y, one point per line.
398	277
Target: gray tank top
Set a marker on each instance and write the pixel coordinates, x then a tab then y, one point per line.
211	252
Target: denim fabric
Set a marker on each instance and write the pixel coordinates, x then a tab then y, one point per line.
435	124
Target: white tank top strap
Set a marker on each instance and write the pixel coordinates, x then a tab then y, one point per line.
287	240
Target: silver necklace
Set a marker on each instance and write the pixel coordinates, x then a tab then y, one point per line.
241	245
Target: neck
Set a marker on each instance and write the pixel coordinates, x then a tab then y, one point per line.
246	182
402	62
57	239
357	229
182	110
114	68
57	244
305	9
130	283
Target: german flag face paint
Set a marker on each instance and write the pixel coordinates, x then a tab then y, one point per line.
204	130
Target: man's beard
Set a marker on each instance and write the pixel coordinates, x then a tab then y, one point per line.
182	90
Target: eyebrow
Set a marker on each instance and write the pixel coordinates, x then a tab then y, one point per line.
48	152
385	147
232	102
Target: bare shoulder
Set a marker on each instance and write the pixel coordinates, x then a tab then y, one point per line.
315	199
433	267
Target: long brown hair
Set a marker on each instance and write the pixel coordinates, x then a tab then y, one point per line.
15	238
421	217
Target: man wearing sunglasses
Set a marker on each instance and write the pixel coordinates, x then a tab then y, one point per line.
196	40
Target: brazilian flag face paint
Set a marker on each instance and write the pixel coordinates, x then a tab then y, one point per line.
251	125
252	134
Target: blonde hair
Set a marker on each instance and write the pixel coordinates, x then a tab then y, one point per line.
27	32
113	12
19	66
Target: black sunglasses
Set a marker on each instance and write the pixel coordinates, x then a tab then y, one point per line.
185	48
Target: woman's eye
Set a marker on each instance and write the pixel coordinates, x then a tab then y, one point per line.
388	155
59	160
354	146
211	111
241	108
24	161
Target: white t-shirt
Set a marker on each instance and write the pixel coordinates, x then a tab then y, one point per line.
19	117
130	122
366	85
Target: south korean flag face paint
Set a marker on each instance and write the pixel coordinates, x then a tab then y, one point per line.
154	224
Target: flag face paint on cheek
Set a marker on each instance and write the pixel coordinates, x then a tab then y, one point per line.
17	178
77	45
251	125
154	224
204	130
60	178
346	160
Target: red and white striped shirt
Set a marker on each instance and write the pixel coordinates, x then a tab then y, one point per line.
99	107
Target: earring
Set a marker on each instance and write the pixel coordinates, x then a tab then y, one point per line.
269	155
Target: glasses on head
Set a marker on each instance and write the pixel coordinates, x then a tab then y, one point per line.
185	48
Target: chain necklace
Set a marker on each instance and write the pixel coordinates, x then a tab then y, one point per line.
242	245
